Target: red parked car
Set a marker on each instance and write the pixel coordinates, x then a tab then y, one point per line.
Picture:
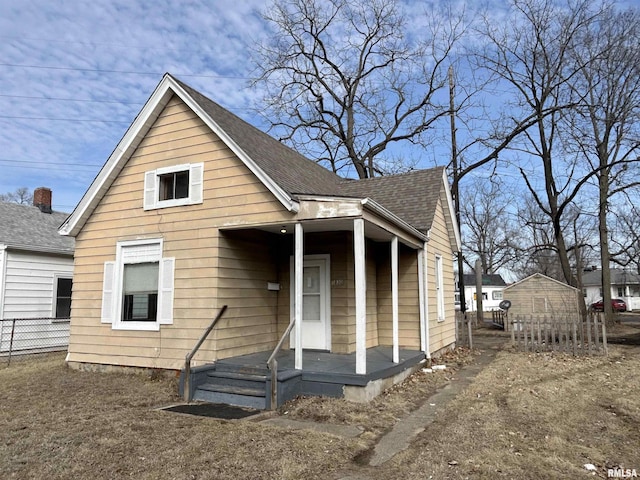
617	304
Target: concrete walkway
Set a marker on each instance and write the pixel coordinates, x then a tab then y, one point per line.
406	429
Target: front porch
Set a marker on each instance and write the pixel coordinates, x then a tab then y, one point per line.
246	381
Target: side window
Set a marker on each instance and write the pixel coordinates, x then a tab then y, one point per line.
439	288
63	297
496	295
173	186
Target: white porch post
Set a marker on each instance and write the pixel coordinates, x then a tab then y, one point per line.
298	260
394	299
421	298
361	296
424	311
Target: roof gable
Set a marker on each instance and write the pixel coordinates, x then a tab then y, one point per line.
542	277
411	197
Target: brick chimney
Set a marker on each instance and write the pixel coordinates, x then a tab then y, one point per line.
42	199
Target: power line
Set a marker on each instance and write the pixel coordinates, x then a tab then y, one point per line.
81	120
70	99
45	162
126	72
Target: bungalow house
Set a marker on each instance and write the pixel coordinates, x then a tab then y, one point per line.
36	272
195	210
625	284
492	287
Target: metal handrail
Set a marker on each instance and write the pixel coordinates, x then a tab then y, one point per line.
190	355
272	365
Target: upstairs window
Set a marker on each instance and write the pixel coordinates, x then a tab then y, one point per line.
173	186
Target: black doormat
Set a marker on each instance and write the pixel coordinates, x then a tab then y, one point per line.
214	410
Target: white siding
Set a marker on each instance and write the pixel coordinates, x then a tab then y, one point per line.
28	293
29	283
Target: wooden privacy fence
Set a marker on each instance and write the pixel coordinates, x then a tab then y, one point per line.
569	335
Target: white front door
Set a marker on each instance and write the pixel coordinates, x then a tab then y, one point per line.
316	316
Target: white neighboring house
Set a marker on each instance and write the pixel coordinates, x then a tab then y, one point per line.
492	287
36	275
625	284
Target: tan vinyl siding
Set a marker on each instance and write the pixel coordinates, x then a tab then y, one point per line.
339	247
408	297
553	298
246	265
441	333
232	196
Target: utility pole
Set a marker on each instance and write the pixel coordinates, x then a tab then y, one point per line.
454	188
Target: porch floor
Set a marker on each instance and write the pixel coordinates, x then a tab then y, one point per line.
334	367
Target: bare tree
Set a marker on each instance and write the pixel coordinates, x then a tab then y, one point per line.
21	195
606	127
346	82
532	57
489	233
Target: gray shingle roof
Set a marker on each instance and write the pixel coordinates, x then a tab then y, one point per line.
293	172
618	277
26	227
494	279
412	196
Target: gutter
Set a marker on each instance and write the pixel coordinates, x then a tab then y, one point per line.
32	248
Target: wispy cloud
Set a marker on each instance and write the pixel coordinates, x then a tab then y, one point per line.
75	74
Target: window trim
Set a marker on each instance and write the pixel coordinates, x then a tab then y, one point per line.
151	194
118	284
54	299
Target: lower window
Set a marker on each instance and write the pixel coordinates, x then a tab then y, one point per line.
140	292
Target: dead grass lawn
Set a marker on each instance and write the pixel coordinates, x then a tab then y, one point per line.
525	416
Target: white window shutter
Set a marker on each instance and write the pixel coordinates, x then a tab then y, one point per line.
165	291
150	193
108	284
196	171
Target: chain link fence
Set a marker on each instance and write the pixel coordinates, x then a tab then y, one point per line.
28	336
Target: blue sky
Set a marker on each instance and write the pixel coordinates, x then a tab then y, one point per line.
75	74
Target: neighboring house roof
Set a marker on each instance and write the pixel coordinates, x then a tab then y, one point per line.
411	197
25	227
488	280
541	276
618	277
